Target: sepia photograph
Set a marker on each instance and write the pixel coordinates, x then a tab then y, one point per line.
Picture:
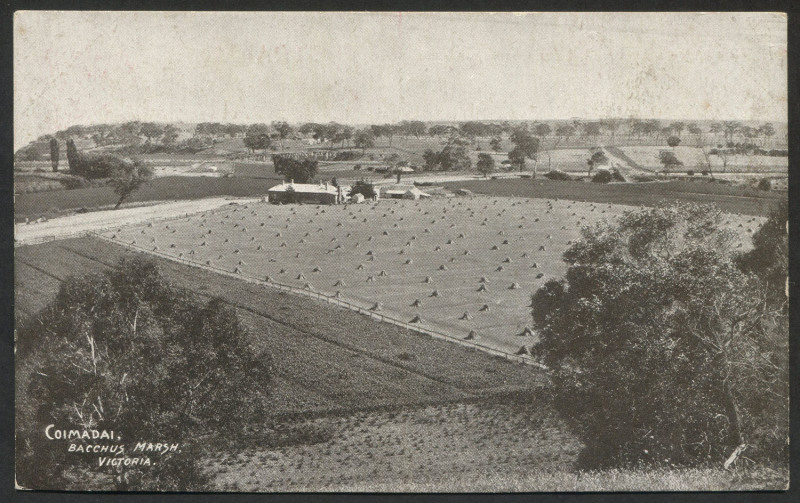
400	252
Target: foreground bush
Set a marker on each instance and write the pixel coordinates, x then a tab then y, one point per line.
663	349
123	351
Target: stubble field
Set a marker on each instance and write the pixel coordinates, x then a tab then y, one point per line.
455	266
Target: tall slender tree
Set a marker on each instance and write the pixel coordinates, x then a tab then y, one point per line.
54	154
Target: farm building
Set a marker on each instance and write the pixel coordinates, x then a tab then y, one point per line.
291	192
402	192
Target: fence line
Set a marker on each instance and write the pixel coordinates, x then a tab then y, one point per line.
330	299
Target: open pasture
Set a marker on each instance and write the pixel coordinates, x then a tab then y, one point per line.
693	158
456	266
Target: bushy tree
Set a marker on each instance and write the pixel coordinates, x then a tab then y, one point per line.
661	349
669	161
485	164
525	146
122	350
364	188
673	141
598	158
299	170
496	143
128	177
364	139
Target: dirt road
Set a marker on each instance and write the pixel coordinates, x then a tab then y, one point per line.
76	224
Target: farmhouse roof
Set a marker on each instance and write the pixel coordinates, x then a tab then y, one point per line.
304	188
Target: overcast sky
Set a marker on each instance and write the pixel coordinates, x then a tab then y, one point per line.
92	67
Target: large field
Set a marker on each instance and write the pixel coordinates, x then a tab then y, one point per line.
326	359
731	198
451	265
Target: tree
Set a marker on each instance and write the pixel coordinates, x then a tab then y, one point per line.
565	131
542	129
128	177
54	153
485	164
73	157
678	127
257	138
283	129
151	130
364	188
592	129
598	158
496	143
517	158
673	141
669	161
170	135
526	146
656	306
364	140
121	350
299	170
769	258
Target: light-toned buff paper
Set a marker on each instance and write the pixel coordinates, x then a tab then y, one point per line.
401	252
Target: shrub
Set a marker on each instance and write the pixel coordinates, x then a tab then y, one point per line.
74	182
357	167
602	176
690	172
765	184
557	174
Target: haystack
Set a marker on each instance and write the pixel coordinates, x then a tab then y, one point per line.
466	316
442	267
514	286
482	288
428	279
471	336
300	276
435	293
415	319
540	275
527	332
416	303
522	351
376	307
339	283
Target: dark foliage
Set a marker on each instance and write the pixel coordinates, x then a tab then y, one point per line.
124	351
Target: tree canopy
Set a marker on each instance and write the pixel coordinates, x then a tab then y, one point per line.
122	350
663	350
299	170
